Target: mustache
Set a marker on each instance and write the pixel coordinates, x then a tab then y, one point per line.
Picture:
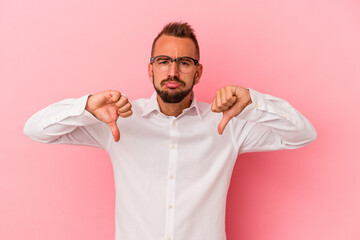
173	79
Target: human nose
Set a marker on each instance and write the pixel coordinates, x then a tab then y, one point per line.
173	70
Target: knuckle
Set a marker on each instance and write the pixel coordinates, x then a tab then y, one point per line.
228	98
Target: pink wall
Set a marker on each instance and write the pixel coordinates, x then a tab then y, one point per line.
305	51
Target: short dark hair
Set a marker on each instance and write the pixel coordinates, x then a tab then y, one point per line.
178	29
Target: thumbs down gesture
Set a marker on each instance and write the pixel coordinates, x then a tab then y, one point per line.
230	100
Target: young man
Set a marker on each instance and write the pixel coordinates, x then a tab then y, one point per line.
172	155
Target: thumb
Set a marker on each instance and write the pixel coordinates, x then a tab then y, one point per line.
115	131
224	121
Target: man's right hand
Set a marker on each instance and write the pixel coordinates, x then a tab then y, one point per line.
107	106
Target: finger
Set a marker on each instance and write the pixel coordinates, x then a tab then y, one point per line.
219	104
222	96
125	108
230	95
115	131
224	99
121	102
224	121
113	96
213	105
126	114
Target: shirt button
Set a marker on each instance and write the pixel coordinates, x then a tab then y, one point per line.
172	176
170	206
169	238
174	124
173	146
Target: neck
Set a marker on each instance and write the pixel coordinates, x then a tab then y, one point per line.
174	109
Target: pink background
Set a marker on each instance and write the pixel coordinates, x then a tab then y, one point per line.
305	51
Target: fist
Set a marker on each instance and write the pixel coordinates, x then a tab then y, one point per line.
230	100
107	106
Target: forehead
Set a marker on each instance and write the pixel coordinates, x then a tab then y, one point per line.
175	47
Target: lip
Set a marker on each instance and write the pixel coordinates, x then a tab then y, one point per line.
172	84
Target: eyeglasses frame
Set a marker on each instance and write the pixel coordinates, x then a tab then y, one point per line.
152	59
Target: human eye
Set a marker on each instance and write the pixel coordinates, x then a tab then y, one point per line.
185	62
162	61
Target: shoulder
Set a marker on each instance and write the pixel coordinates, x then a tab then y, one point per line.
142	106
204	107
140	102
205	111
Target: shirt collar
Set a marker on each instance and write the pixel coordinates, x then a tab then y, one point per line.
153	105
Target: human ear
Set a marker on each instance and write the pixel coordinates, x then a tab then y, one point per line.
198	73
150	72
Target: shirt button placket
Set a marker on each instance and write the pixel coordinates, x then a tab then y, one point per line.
173	158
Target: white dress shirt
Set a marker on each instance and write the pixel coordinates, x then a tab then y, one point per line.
172	173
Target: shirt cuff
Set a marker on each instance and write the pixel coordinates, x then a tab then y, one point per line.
265	107
258	102
73	114
84	116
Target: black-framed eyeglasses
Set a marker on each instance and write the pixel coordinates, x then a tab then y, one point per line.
163	63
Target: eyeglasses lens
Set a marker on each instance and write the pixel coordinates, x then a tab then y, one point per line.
184	65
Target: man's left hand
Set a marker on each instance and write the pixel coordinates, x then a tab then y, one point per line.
230	100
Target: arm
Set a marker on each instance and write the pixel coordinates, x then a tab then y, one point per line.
269	124
79	121
265	123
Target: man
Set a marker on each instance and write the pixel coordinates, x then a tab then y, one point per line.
173	156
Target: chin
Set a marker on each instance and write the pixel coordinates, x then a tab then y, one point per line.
173	96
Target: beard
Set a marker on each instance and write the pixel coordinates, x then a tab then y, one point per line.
173	97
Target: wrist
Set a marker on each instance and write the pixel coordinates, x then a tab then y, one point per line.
87	108
249	97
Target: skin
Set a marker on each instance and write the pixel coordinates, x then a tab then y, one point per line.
107	106
174	47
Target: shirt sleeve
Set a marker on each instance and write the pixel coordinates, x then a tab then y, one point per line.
68	122
270	123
